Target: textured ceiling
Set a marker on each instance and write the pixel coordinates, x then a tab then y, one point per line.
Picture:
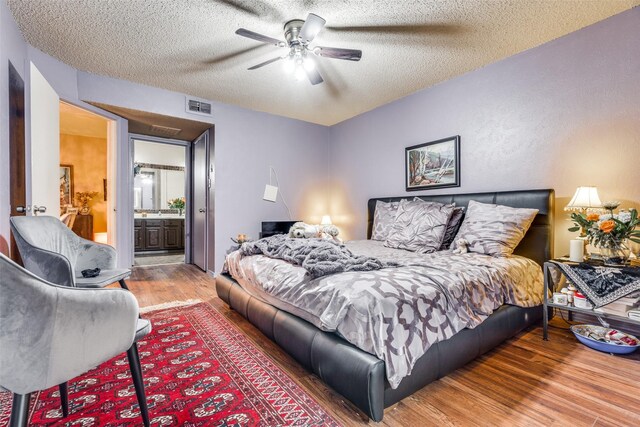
76	121
187	46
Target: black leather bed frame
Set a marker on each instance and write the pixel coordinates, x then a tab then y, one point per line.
360	376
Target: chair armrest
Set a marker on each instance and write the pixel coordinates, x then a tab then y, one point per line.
92	255
51	334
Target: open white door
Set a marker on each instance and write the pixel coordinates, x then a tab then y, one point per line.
45	145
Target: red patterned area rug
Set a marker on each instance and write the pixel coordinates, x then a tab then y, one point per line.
199	370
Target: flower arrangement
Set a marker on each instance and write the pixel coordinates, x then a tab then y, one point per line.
177	203
608	230
84	197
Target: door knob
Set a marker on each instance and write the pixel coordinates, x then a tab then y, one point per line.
202	210
39	209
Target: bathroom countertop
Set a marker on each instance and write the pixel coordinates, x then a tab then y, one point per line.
156	216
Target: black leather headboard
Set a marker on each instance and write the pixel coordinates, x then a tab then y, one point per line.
537	244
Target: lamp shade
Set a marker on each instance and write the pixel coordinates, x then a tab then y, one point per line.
584	198
326	220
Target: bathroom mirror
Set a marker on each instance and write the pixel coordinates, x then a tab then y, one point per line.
154	187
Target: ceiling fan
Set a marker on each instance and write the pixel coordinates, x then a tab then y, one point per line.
300	60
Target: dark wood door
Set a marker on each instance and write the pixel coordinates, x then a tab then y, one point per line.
153	239
171	237
17	191
138	235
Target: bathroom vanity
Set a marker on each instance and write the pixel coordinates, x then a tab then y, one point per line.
159	233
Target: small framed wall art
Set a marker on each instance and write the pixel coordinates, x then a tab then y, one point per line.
434	164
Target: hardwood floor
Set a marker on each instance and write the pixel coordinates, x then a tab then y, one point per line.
524	382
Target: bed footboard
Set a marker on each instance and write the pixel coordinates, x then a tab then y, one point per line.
359	376
355	374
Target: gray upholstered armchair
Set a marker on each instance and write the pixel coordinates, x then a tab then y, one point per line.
50	334
52	251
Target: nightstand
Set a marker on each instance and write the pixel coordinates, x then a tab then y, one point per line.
553	274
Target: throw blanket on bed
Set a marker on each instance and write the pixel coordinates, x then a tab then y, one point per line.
395	314
319	257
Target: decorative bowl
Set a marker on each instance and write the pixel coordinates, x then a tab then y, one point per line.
593	336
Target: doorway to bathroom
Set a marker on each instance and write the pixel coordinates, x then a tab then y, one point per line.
161	197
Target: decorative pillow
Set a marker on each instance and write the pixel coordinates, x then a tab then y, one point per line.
452	228
494	230
419	226
383	219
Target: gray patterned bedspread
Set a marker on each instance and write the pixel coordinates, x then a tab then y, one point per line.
395	313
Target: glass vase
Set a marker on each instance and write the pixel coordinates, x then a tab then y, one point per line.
615	253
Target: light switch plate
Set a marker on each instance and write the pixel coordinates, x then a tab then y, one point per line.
270	193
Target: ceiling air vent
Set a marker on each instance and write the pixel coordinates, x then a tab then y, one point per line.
198	106
164	130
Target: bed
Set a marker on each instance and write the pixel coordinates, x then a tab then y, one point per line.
360	376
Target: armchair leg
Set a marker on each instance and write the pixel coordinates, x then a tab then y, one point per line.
123	284
136	374
64	399
20	410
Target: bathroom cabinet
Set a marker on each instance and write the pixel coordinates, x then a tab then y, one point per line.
157	234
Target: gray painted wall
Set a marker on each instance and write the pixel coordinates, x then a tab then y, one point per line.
246	144
12	48
561	115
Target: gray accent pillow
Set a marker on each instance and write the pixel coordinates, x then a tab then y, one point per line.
419	226
452	228
383	218
494	230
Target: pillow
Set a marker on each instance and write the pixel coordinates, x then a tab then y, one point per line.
452	228
419	226
494	230
383	218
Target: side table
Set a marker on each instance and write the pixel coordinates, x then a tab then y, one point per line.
552	275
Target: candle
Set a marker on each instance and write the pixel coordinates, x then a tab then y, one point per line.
576	250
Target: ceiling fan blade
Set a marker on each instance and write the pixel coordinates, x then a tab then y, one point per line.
259	37
338	53
262	64
236	5
231	55
401	29
314	75
311	27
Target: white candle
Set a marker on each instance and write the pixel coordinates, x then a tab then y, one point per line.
576	250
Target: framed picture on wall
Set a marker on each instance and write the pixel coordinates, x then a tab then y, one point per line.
434	164
66	185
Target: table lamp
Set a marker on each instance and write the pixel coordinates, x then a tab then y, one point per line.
583	199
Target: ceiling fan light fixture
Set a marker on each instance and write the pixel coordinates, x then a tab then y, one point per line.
300	61
289	65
